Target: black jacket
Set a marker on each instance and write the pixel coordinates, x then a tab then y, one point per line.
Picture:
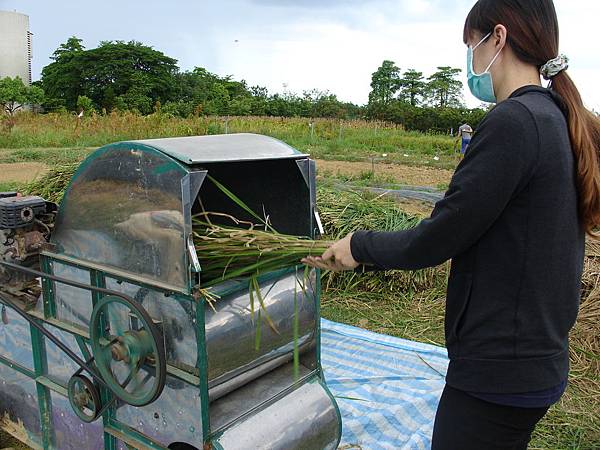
509	222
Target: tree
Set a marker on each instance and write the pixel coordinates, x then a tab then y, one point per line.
14	94
260	98
211	94
131	76
61	79
385	82
73	45
444	89
317	103
137	74
138	96
85	103
412	87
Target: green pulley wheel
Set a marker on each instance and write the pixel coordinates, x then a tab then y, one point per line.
84	398
128	350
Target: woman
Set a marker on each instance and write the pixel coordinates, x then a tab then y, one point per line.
513	221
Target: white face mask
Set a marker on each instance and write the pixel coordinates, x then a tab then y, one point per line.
481	84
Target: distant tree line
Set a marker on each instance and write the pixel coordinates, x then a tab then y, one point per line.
132	76
120	75
434	103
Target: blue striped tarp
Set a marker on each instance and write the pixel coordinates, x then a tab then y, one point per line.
387	388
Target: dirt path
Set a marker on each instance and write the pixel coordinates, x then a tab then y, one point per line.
21	172
409	175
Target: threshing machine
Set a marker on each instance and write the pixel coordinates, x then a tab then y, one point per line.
107	340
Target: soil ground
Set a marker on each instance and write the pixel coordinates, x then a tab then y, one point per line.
410	175
21	172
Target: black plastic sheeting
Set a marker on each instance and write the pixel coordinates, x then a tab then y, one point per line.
425	194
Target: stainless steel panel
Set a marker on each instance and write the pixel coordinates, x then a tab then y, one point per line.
19	410
73	305
175	416
223	147
306	419
15	338
231	330
128	199
60	367
219	390
226	410
70	433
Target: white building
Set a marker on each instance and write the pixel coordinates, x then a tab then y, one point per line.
15	46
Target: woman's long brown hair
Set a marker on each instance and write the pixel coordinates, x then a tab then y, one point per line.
533	35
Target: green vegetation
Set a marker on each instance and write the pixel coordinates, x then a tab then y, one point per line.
130	76
9	186
50	156
14	94
52	185
115	74
55	138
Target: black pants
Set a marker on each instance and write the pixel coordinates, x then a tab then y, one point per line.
463	422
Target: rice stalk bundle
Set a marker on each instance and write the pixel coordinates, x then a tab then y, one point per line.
52	185
232	252
249	250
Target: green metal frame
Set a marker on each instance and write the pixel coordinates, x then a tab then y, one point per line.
113	429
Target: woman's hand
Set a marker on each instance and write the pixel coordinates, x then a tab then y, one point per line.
336	258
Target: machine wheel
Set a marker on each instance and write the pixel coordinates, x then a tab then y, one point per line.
84	398
128	350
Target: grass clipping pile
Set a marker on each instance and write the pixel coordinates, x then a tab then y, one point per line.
243	250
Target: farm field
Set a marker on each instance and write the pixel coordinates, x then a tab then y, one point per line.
355	154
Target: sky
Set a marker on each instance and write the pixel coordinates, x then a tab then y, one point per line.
297	45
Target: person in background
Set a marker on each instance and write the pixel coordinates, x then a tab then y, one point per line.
465	132
514	222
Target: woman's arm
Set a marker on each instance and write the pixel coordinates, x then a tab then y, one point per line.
499	163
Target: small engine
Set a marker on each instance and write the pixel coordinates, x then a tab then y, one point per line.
26	224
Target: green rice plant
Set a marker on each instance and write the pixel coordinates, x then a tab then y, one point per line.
232	252
52	185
